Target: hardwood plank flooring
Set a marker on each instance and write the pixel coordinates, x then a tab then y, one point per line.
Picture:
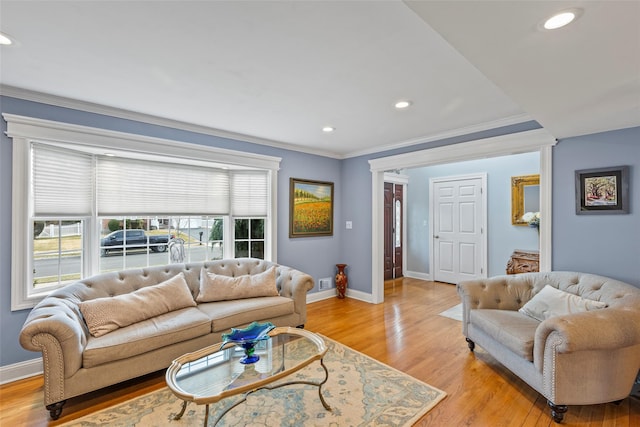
405	332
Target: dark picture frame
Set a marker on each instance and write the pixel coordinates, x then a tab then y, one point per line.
602	190
310	208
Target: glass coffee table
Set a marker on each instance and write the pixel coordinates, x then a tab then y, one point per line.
213	373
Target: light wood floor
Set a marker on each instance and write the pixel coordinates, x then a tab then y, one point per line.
405	332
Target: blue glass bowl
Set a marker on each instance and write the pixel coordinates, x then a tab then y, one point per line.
247	338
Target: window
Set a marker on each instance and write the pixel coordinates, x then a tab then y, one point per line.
136	241
216	238
249	237
57	252
78	211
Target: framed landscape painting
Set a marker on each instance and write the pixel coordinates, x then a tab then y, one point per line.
602	190
310	208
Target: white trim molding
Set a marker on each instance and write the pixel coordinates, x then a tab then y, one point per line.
331	293
20	370
64	102
494	124
515	143
418	275
100	140
60	101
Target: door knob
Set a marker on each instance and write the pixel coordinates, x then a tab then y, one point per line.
436	237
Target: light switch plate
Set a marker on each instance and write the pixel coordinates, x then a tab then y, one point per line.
349	225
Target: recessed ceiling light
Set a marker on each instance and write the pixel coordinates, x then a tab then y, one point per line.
4	39
400	105
328	129
109	154
561	19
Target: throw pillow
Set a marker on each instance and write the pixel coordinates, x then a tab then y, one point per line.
217	287
104	315
551	302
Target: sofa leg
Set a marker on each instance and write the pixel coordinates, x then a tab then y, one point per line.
55	409
471	344
300	326
557	411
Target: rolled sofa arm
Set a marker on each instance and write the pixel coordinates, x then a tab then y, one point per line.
608	328
55	328
295	284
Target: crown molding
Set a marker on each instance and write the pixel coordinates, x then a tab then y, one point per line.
64	102
494	124
75	104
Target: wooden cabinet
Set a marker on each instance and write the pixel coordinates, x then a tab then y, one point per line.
522	261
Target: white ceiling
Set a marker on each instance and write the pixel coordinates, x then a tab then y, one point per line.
276	72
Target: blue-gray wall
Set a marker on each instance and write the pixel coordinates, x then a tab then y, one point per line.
502	237
608	245
352	178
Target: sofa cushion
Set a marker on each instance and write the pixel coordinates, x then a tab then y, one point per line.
225	315
217	287
509	327
554	302
147	335
103	315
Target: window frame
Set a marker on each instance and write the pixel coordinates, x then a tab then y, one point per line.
25	130
249	239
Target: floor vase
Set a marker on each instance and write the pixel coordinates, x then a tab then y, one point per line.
341	281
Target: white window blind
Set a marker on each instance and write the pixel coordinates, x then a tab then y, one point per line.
130	186
250	191
62	181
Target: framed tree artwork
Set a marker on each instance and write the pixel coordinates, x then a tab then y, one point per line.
310	208
602	190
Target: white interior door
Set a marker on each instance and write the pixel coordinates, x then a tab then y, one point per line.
458	242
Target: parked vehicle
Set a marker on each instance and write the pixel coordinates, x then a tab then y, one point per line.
133	239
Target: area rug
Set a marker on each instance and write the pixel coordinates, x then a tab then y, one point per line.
454	312
361	392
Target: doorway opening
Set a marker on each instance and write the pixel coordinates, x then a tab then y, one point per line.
520	142
393	230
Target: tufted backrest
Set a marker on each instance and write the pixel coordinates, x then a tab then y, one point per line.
511	292
127	281
615	293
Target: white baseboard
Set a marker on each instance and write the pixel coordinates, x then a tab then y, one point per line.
321	295
359	295
20	370
418	275
331	293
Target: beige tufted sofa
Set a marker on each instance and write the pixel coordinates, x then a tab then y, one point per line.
576	359
75	362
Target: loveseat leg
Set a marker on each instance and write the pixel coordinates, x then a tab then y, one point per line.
55	409
557	411
471	344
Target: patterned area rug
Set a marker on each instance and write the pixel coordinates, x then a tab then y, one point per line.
454	312
361	392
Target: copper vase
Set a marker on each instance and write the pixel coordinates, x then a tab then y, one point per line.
341	281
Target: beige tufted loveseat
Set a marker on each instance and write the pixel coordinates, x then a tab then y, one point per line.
580	358
75	362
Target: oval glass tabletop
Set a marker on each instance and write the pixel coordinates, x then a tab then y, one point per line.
213	373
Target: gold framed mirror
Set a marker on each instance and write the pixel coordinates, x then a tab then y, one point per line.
525	197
